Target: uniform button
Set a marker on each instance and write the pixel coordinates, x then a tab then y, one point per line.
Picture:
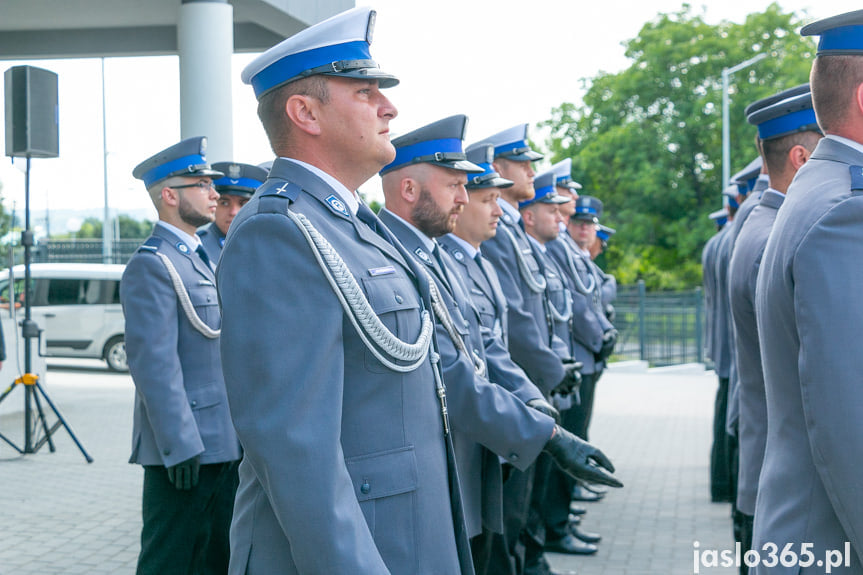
399	299
194	403
365	488
166	452
466	324
513	456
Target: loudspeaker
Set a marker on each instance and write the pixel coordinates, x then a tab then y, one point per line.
31	112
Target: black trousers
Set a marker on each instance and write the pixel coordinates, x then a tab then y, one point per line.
186	532
746	526
720	453
507	549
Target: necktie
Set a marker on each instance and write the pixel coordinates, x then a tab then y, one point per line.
202	253
368	217
443	273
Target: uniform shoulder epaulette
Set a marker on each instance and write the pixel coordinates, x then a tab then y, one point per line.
151	244
856	178
280	188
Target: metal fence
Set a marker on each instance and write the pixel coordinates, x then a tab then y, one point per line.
662	328
81	251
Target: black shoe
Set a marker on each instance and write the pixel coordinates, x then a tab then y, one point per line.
573	519
570	544
598	489
585	536
579	493
576	509
543	568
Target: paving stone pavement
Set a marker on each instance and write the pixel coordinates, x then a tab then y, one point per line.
59	515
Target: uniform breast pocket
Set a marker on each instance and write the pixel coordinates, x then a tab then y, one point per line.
206	304
484	307
396	302
385	484
205	402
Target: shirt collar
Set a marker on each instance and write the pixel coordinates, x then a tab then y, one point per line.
192	241
510	211
534	241
343	192
850	143
466	247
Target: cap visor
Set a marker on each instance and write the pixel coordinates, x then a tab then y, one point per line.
384	80
460	165
492	183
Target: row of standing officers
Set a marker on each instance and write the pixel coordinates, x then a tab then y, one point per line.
403	392
784	325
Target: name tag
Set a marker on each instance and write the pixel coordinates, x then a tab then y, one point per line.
386	270
205	283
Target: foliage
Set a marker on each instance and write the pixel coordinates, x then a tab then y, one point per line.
648	140
129	228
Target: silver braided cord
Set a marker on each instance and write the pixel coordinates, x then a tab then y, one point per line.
579	285
443	315
567	306
185	302
367	324
535	285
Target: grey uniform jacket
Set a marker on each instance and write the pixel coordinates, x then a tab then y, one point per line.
528	332
809	319
708	274
212	239
745	262
558	302
722	334
589	322
345	467
484	290
482	413
181	409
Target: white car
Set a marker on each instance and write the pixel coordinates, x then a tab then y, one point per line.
77	306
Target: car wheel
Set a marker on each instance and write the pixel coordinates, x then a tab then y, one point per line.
115	354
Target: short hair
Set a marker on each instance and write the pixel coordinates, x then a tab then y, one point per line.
834	80
271	107
776	150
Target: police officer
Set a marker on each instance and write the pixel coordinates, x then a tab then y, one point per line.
347	462
788	133
235	189
182	432
809	324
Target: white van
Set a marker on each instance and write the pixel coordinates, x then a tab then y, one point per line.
77	306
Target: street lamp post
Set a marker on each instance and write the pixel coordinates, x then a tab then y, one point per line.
726	144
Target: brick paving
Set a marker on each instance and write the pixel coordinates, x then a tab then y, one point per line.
59	515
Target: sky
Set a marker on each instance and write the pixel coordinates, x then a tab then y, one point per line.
501	62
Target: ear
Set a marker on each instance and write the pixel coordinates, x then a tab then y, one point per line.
797	156
529	217
409	190
170	196
304	112
858	98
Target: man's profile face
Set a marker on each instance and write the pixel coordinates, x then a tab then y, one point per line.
442	198
583	232
545	219
521	174
227	208
478	221
355	124
197	205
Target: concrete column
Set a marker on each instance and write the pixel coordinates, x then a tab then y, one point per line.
205	39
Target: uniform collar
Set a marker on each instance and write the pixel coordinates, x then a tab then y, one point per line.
192	241
427	242
533	240
465	247
850	143
509	210
348	197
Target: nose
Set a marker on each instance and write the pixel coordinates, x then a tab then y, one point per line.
530	172
497	211
387	109
461	197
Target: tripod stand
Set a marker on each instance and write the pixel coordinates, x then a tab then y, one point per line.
37	432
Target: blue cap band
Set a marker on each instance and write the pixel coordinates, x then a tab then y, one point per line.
786	124
539	193
241	182
292	66
585	210
498	150
178	165
427	148
842	39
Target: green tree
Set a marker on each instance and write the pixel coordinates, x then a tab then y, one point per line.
647	140
129	228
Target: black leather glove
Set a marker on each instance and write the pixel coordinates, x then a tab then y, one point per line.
580	459
610	313
571	378
184	475
545	407
609	339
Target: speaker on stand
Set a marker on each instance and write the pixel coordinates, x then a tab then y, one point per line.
32	132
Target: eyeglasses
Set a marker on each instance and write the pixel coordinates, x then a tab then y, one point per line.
203	185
